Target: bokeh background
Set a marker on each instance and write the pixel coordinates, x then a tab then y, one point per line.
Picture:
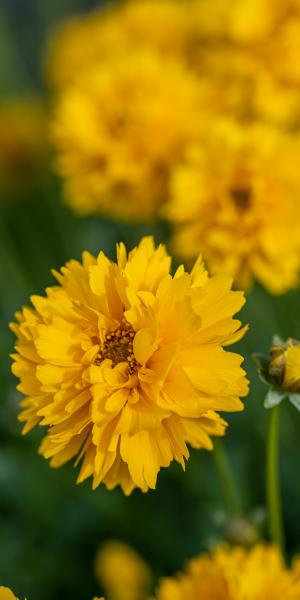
51	529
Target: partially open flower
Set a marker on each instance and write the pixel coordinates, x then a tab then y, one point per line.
281	371
124	364
235	574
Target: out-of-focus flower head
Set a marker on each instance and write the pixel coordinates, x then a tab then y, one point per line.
233	574
23	142
281	371
236	199
122	572
245	22
119	130
249	50
7	594
87	41
124	364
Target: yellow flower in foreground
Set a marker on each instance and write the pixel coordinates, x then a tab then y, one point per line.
237	200
7	594
122	572
120	129
236	574
124	364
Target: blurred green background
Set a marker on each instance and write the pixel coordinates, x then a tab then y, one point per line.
50	529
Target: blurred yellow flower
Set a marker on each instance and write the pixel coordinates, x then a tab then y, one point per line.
248	51
23	142
235	574
237	199
88	40
124	364
120	129
122	572
6	594
245	22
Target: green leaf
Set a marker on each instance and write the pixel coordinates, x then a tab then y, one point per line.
295	400
274	397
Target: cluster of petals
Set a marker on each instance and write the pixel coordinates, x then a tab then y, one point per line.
235	574
123	364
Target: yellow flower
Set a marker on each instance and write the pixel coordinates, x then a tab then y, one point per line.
122	572
236	574
119	130
86	41
124	364
243	22
249	53
237	200
6	594
23	144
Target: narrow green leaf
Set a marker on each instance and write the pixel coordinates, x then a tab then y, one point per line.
295	400
274	397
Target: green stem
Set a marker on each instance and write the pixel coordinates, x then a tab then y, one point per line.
229	488
272	480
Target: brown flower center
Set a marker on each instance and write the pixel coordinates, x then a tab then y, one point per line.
241	197
118	347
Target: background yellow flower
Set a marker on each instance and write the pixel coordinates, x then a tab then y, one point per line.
235	574
23	142
7	594
122	572
119	130
86	41
240	211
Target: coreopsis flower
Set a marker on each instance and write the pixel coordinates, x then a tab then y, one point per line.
124	365
235	574
119	130
242	212
122	572
281	372
88	40
23	142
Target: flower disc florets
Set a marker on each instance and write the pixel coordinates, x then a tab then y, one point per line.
124	364
118	347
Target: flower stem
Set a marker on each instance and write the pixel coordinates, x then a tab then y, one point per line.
230	491
272	480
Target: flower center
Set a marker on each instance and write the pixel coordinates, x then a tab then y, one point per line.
118	347
241	197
